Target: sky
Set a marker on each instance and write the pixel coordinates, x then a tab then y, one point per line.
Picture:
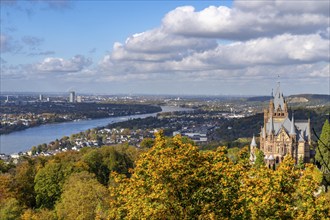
165	47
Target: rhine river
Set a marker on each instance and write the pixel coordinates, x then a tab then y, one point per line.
21	141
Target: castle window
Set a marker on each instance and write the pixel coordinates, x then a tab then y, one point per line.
269	148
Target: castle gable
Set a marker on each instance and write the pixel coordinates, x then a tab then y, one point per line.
286	123
282	135
303	129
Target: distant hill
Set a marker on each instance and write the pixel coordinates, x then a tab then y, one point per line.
259	99
299	99
312	97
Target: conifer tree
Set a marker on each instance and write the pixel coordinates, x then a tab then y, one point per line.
260	161
323	153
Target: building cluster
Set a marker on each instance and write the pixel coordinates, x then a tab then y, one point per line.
28	120
73	98
198	135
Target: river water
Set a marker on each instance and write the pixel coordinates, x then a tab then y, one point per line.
21	141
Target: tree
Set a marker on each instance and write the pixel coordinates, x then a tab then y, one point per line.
5	167
78	201
5	187
34	150
323	153
233	154
10	209
48	184
300	164
260	158
103	161
286	193
176	180
94	161
307	205
147	143
23	183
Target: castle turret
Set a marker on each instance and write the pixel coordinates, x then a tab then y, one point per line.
271	126
293	129
253	146
253	142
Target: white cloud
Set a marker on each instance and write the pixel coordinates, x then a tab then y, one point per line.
156	46
281	50
261	33
284	49
247	20
51	64
76	67
292	6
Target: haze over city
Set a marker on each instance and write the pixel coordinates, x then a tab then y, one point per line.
166	47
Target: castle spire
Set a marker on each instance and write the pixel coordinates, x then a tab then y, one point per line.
253	142
293	130
271	128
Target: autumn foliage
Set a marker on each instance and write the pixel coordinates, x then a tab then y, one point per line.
173	179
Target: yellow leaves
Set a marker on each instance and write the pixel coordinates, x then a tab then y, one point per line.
174	180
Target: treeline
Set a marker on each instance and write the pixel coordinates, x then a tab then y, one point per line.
45	113
91	110
6	129
172	180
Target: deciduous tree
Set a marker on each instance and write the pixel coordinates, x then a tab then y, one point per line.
83	196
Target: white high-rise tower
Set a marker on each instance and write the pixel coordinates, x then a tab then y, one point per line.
72	97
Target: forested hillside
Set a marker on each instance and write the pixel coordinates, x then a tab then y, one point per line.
233	129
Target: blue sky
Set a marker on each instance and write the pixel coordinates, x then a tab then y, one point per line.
165	47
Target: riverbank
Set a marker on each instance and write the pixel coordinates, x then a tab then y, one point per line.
18	118
22	141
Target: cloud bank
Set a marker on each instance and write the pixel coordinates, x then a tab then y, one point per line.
219	42
252	40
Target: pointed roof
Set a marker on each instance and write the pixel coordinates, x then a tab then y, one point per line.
271	123
253	142
301	136
271	157
263	132
278	98
292	130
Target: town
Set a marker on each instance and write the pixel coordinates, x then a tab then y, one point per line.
208	121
